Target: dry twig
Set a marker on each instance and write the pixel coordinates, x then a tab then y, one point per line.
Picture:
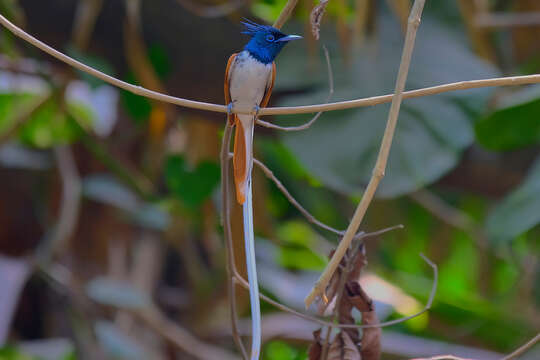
316	16
285	13
380	165
314	118
69	206
522	349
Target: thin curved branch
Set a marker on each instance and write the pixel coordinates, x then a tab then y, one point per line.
284	110
69	206
310	122
322	322
522	349
295	203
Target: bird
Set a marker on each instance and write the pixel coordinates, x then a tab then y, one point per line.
249	80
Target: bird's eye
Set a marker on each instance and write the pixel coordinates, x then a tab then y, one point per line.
269	37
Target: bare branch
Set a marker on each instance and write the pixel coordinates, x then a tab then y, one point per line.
322	322
295	203
69	206
316	16
382	158
310	122
522	349
284	110
285	13
270	174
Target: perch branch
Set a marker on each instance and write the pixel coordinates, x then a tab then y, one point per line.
313	119
284	110
380	165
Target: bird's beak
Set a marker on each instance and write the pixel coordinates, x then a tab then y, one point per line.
289	38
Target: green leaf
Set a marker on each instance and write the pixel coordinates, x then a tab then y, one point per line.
295	252
138	107
11	353
159	59
517	212
341	147
46	127
279	350
192	186
49	349
515	124
300	259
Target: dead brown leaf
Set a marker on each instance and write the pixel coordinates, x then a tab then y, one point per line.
343	348
315	350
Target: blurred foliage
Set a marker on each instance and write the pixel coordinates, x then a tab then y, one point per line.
519	211
191	185
279	350
476	151
432	132
514	124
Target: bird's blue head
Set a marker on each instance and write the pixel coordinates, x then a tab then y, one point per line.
266	42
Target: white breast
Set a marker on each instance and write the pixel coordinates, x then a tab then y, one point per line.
248	80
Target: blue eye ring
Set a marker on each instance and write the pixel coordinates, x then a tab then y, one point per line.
270	37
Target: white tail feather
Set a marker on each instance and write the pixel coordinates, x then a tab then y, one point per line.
249	240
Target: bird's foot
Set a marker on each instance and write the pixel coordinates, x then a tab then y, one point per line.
230	108
256	110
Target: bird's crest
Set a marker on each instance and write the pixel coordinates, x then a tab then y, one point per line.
251	28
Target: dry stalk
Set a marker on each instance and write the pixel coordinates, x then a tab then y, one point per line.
380	165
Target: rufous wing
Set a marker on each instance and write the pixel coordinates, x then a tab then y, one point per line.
269	86
226	86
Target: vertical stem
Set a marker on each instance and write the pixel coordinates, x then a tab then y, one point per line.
285	13
382	159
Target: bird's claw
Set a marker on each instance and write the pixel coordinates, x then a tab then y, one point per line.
230	108
256	110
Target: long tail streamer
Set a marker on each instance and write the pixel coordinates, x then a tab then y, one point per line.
249	238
